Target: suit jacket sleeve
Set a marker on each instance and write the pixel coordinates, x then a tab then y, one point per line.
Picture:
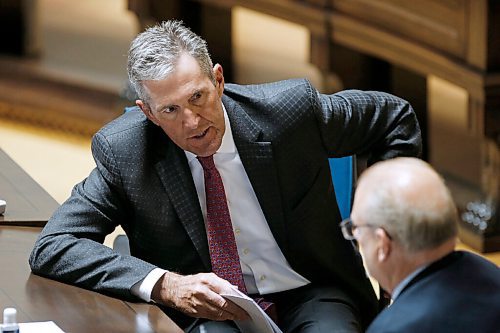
377	124
70	246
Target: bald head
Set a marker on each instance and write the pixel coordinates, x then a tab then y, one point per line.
410	200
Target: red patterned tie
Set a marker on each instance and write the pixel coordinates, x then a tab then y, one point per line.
221	242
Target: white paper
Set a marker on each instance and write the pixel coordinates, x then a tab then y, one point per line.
259	320
3	204
37	327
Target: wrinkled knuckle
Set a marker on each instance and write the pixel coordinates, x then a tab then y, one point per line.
206	278
192	310
197	290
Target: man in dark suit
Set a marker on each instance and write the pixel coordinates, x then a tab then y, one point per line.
405	222
271	144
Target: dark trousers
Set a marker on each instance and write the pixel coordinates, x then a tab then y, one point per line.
311	309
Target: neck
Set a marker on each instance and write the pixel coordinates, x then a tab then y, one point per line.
407	262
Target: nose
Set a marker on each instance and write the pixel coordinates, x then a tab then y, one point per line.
191	118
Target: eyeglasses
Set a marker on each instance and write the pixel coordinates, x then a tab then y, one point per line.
348	228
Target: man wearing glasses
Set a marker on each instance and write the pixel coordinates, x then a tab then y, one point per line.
405	223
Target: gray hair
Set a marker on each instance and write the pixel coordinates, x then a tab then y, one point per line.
153	54
415	225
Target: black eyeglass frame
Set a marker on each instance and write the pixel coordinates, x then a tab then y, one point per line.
347	226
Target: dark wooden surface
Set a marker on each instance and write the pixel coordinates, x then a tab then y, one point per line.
28	203
73	309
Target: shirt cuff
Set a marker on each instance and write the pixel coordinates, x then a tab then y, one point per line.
144	288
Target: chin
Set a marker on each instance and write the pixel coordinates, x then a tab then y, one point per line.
214	146
208	149
205	152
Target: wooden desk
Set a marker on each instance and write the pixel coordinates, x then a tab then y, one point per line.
73	309
28	204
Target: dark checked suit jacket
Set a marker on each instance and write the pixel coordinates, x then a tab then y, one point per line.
457	294
284	133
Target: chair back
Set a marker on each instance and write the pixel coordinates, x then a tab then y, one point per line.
343	171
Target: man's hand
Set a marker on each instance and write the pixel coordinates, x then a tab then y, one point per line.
197	296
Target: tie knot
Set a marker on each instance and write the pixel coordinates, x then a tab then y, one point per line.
207	162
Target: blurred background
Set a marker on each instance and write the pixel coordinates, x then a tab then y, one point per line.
63	75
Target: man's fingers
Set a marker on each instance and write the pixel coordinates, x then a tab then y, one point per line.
199	296
222	309
234	310
208	304
221	315
216	313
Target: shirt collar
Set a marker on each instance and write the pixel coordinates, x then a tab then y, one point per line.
227	146
399	288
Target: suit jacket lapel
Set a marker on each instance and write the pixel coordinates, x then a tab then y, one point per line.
257	158
173	170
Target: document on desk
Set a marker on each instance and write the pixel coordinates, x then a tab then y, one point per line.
259	320
41	326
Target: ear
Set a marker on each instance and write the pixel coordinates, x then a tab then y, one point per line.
384	245
147	111
219	79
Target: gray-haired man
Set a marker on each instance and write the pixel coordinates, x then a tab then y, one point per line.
271	144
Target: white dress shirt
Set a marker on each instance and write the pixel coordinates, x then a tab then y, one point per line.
265	269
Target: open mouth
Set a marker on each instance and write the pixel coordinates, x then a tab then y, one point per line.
201	135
